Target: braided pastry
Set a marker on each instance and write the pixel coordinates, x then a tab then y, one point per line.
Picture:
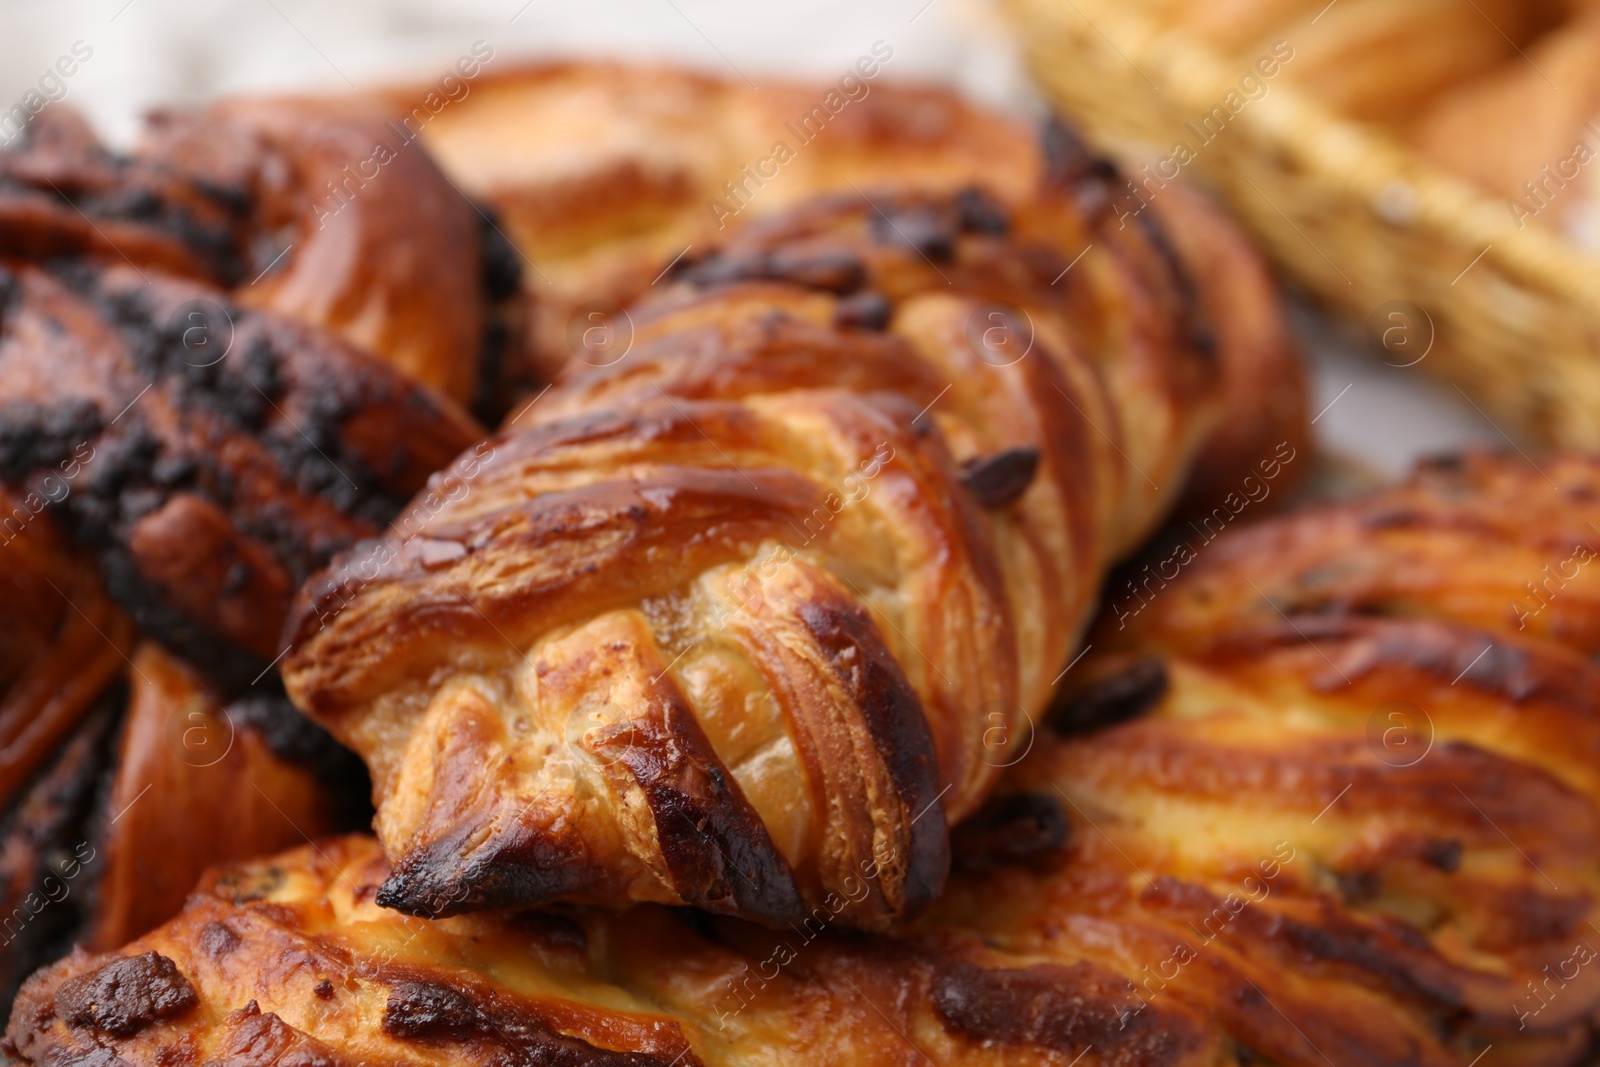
727	621
1224	848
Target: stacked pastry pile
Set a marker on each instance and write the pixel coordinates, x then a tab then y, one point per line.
761	614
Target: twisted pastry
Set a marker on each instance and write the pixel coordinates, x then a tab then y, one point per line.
727	621
1222	849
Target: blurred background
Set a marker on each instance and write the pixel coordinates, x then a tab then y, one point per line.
143	53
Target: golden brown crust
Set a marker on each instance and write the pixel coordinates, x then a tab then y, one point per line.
1235	854
760	539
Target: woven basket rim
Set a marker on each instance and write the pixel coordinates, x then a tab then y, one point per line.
1367	159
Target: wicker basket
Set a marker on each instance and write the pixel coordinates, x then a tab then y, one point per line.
1354	216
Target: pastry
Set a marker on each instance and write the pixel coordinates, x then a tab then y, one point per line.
1327	798
725	621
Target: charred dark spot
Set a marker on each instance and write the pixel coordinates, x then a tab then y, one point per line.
1123	696
421	1010
429	1010
218	939
174	472
126	995
1000	479
446	876
922	228
716	847
1063	1009
323	989
866	310
1010	828
1371	950
979	212
899	731
1443	855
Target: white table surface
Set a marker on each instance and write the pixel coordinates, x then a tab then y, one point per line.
147	52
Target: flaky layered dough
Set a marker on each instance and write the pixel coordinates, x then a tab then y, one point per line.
725	622
1316	804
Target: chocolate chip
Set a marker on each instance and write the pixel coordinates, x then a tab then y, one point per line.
1358	887
126	995
923	228
218	939
1442	855
723	268
323	990
1010	828
866	310
1067	158
979	212
1000	479
1116	699
832	271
